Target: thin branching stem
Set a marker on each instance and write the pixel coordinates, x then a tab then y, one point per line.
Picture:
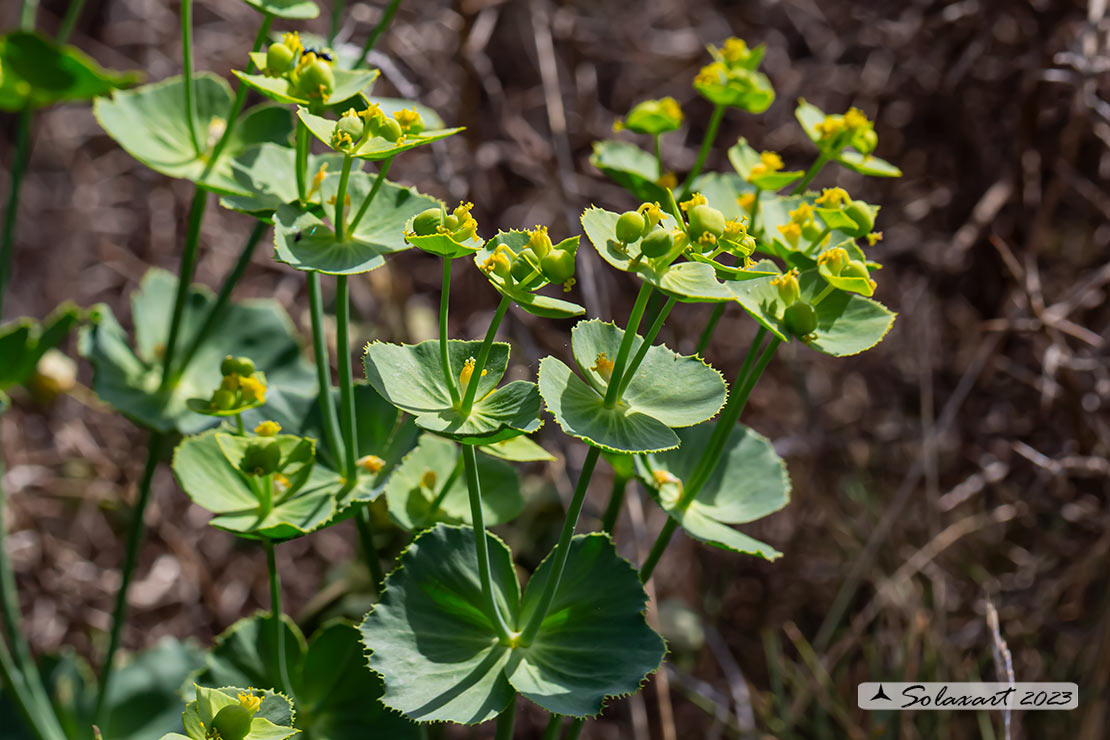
323	371
15	185
554	727
706	145
184	280
612	393
505	722
821	161
710	327
483	357
372	39
276	618
69	20
187	72
481	545
378	181
616	500
444	355
365	527
341	198
346	382
301	156
653	332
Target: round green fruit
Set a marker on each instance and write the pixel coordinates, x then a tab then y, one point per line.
390	131
229	366
800	319
232	722
862	215
223	400
657	243
629	227
558	266
705	219
279	59
426	222
523	265
855	269
317	80
244	366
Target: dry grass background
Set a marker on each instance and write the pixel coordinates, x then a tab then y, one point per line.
964	459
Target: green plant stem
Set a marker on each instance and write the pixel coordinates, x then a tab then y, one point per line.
477	519
825	292
337	8
554	727
184	280
378	181
301	154
706	145
574	729
817	242
70	20
276	617
612	392
216	312
505	722
710	327
341	198
753	220
27	15
346	383
15	184
443	491
658	153
613	509
653	332
239	425
187	65
21	672
657	549
266	503
483	356
811	173
130	556
444	356
562	548
323	371
387	16
365	529
232	117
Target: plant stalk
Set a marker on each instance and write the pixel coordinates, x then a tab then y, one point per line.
378	181
187	64
19	169
483	356
232	117
366	540
27	15
613	509
337	8
710	327
130	556
505	722
822	160
323	371
387	16
341	198
276	617
73	12
574	729
612	392
184	280
215	313
562	548
653	332
444	355
301	154
706	145
481	546
346	384
657	148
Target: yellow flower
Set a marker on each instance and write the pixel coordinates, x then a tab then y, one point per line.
855	120
697	199
834	259
671	108
735	50
254	390
802	215
267	429
788	287
428	480
768	162
667	180
792	232
538	240
651	212
410	120
746	201
603	366
249	701
711	74
292	39
874	237
665	477
371	464
466	373
831	127
833	197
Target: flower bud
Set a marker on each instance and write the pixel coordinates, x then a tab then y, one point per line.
705	219
316	78
371	464
223	400
834	260
558	266
262	458
629	227
800	319
244	366
657	243
540	243
229	366
789	289
390	130
232	723
267	429
427	221
279	60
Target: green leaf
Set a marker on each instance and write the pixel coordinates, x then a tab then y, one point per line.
129	378
868	164
301	10
594	641
748	483
374	148
410	377
743	158
517	449
215	483
389	106
722	189
809	116
527	298
23	342
631	167
150	122
689	282
348	84
306	242
272	721
745	89
36	71
267	173
439	653
847	324
432	475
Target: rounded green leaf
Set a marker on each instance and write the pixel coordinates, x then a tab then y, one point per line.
150	123
129	378
809	116
300	10
435	648
36	71
689	282
748	483
245	654
527	298
517	449
410	377
678	390
634	169
868	164
374	148
305	241
744	89
431	475
847	324
266	172
595	641
23	342
348	84
744	157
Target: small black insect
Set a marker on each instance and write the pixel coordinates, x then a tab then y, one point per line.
326	56
297	238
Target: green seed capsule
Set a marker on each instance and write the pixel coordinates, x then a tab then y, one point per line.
317	80
223	400
350	125
629	227
558	266
261	459
523	264
705	219
279	59
232	722
229	366
855	269
800	319
657	243
390	130
862	215
244	366
426	222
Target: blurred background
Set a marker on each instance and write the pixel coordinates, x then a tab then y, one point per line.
963	462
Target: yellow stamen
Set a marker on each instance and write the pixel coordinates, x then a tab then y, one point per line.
603	366
833	197
250	702
254	391
874	237
802	215
371	464
792	232
746	201
665	477
466	373
428	480
267	429
697	199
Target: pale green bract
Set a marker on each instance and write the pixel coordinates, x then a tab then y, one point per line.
348	84
273	721
630	167
439	653
375	147
36	71
527	298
